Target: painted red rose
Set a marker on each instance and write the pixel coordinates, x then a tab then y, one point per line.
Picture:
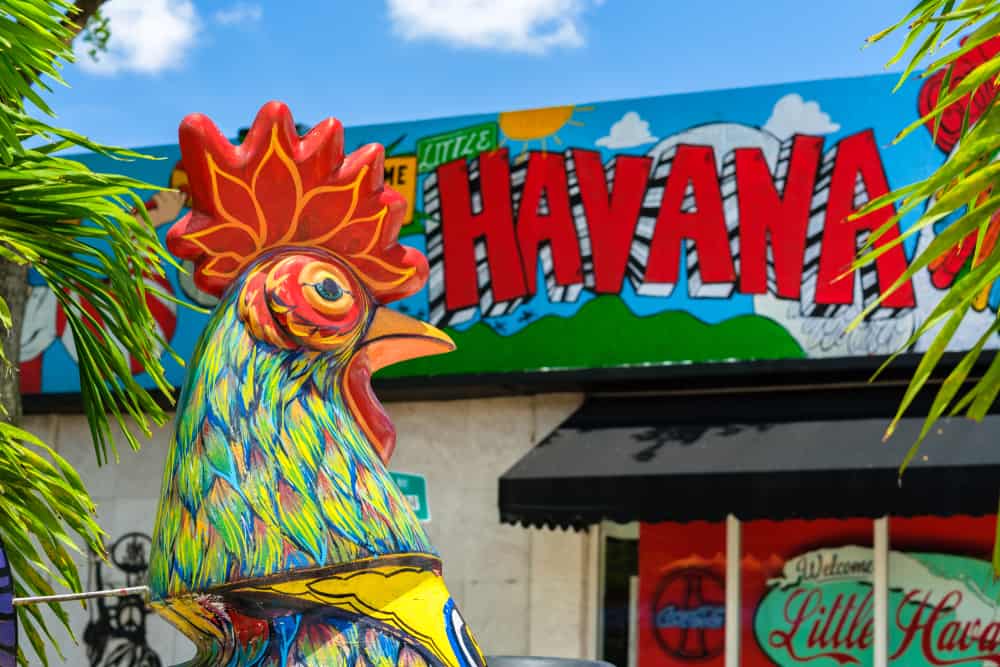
975	102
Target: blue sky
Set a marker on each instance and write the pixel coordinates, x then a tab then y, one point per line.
375	61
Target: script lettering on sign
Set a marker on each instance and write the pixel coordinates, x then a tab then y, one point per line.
942	610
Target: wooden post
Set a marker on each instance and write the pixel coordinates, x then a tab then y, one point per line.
880	592
733	553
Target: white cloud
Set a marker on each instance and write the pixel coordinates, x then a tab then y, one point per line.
241	12
147	36
525	26
628	132
793	115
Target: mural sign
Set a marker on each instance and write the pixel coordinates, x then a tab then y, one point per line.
700	228
807	594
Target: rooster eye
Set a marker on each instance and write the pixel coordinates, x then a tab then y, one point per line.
329	289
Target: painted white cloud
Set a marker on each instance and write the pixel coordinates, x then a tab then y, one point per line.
524	26
147	36
239	13
793	115
628	132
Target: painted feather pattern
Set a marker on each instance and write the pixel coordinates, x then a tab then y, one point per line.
281	539
278	478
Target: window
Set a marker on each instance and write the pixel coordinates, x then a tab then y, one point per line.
807	590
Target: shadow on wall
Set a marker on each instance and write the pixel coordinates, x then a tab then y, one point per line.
115	635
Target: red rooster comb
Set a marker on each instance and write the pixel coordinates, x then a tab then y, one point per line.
279	190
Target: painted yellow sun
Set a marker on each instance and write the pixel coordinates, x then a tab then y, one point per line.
538	125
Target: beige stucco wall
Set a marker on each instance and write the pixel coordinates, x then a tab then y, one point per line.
522	591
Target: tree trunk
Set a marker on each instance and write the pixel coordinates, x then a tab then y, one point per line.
77	20
14	290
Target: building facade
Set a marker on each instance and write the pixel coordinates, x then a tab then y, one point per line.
655	443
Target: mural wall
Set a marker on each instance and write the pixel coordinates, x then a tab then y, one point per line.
704	228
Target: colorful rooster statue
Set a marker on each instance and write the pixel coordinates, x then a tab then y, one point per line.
280	537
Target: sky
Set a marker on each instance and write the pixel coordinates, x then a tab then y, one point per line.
376	61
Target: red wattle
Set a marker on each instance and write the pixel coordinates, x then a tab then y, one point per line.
366	407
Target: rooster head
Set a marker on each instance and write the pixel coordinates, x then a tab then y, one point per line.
308	239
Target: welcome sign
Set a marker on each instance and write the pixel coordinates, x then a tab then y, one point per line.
807	594
942	610
701	228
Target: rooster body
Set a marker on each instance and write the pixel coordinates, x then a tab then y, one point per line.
281	538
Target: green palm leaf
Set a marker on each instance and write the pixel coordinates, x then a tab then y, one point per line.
964	188
97	270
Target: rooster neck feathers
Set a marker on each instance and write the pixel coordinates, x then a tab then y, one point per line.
269	470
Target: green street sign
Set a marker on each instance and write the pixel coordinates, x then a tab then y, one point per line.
414	487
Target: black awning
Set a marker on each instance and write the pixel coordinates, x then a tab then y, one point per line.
657	460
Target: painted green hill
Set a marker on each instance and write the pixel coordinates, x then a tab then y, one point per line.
605	334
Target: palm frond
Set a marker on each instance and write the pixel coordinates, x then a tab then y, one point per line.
88	235
32	42
96	270
964	189
44	511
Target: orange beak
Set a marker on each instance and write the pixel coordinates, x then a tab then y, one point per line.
393	337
